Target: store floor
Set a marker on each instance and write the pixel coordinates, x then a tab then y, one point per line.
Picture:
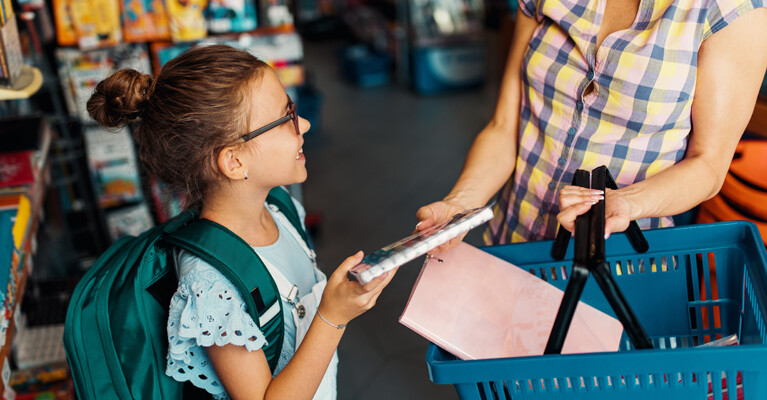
378	156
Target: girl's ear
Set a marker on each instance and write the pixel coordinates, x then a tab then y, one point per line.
230	165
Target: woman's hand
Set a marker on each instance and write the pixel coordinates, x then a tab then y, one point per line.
438	213
575	201
344	300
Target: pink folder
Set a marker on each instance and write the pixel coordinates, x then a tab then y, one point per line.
475	305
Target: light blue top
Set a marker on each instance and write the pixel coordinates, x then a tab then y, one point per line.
208	310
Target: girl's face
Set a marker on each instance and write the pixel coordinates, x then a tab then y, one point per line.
276	156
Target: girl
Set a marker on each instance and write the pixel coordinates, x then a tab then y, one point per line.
217	123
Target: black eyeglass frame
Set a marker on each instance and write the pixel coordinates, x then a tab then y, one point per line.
292	115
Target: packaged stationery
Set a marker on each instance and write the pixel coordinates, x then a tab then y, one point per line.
187	19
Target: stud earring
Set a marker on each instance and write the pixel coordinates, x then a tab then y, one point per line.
246	174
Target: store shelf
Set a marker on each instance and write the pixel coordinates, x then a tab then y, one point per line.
29	82
35	192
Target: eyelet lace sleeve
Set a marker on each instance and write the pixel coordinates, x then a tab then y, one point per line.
206	310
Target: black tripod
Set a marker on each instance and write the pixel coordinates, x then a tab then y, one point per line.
589	258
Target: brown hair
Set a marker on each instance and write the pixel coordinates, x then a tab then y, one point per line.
185	116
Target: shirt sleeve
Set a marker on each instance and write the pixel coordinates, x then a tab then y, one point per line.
721	13
208	310
528	7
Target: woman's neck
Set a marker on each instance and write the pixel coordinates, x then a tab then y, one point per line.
243	214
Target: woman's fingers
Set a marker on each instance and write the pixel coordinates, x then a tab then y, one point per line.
570	195
568	215
425	217
579	189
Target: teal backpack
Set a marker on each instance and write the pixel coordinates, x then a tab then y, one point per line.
115	334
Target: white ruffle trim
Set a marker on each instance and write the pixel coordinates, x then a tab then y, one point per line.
206	310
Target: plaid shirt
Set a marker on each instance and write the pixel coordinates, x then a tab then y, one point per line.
625	105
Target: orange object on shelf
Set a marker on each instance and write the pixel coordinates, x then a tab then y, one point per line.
717	209
750	162
750	200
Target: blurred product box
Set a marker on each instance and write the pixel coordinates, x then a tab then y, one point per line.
442	68
365	67
10	50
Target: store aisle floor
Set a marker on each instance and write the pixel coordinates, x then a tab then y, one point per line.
378	156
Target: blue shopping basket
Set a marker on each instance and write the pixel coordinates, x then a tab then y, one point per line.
696	284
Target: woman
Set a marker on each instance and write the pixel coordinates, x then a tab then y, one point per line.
658	91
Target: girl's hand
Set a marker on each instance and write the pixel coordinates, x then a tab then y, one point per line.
344	300
438	213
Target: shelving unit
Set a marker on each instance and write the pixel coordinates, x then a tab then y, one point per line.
22	264
29	82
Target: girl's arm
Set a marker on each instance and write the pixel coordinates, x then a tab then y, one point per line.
246	375
492	156
731	66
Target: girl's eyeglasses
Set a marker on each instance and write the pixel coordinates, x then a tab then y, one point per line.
290	116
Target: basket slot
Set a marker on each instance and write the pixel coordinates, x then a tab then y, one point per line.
634	382
591	383
602	383
688	379
562	385
500	390
543	274
580	384
673	379
527	386
487	391
644	380
616	382
756	327
552	385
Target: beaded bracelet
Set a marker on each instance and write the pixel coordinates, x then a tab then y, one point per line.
340	326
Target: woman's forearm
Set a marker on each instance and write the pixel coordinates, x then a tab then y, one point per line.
674	190
492	156
488	166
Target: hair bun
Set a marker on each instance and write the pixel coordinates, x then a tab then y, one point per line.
120	99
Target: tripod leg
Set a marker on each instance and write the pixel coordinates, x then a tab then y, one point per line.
621	307
573	292
558	250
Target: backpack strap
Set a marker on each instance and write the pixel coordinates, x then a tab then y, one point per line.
279	197
236	260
